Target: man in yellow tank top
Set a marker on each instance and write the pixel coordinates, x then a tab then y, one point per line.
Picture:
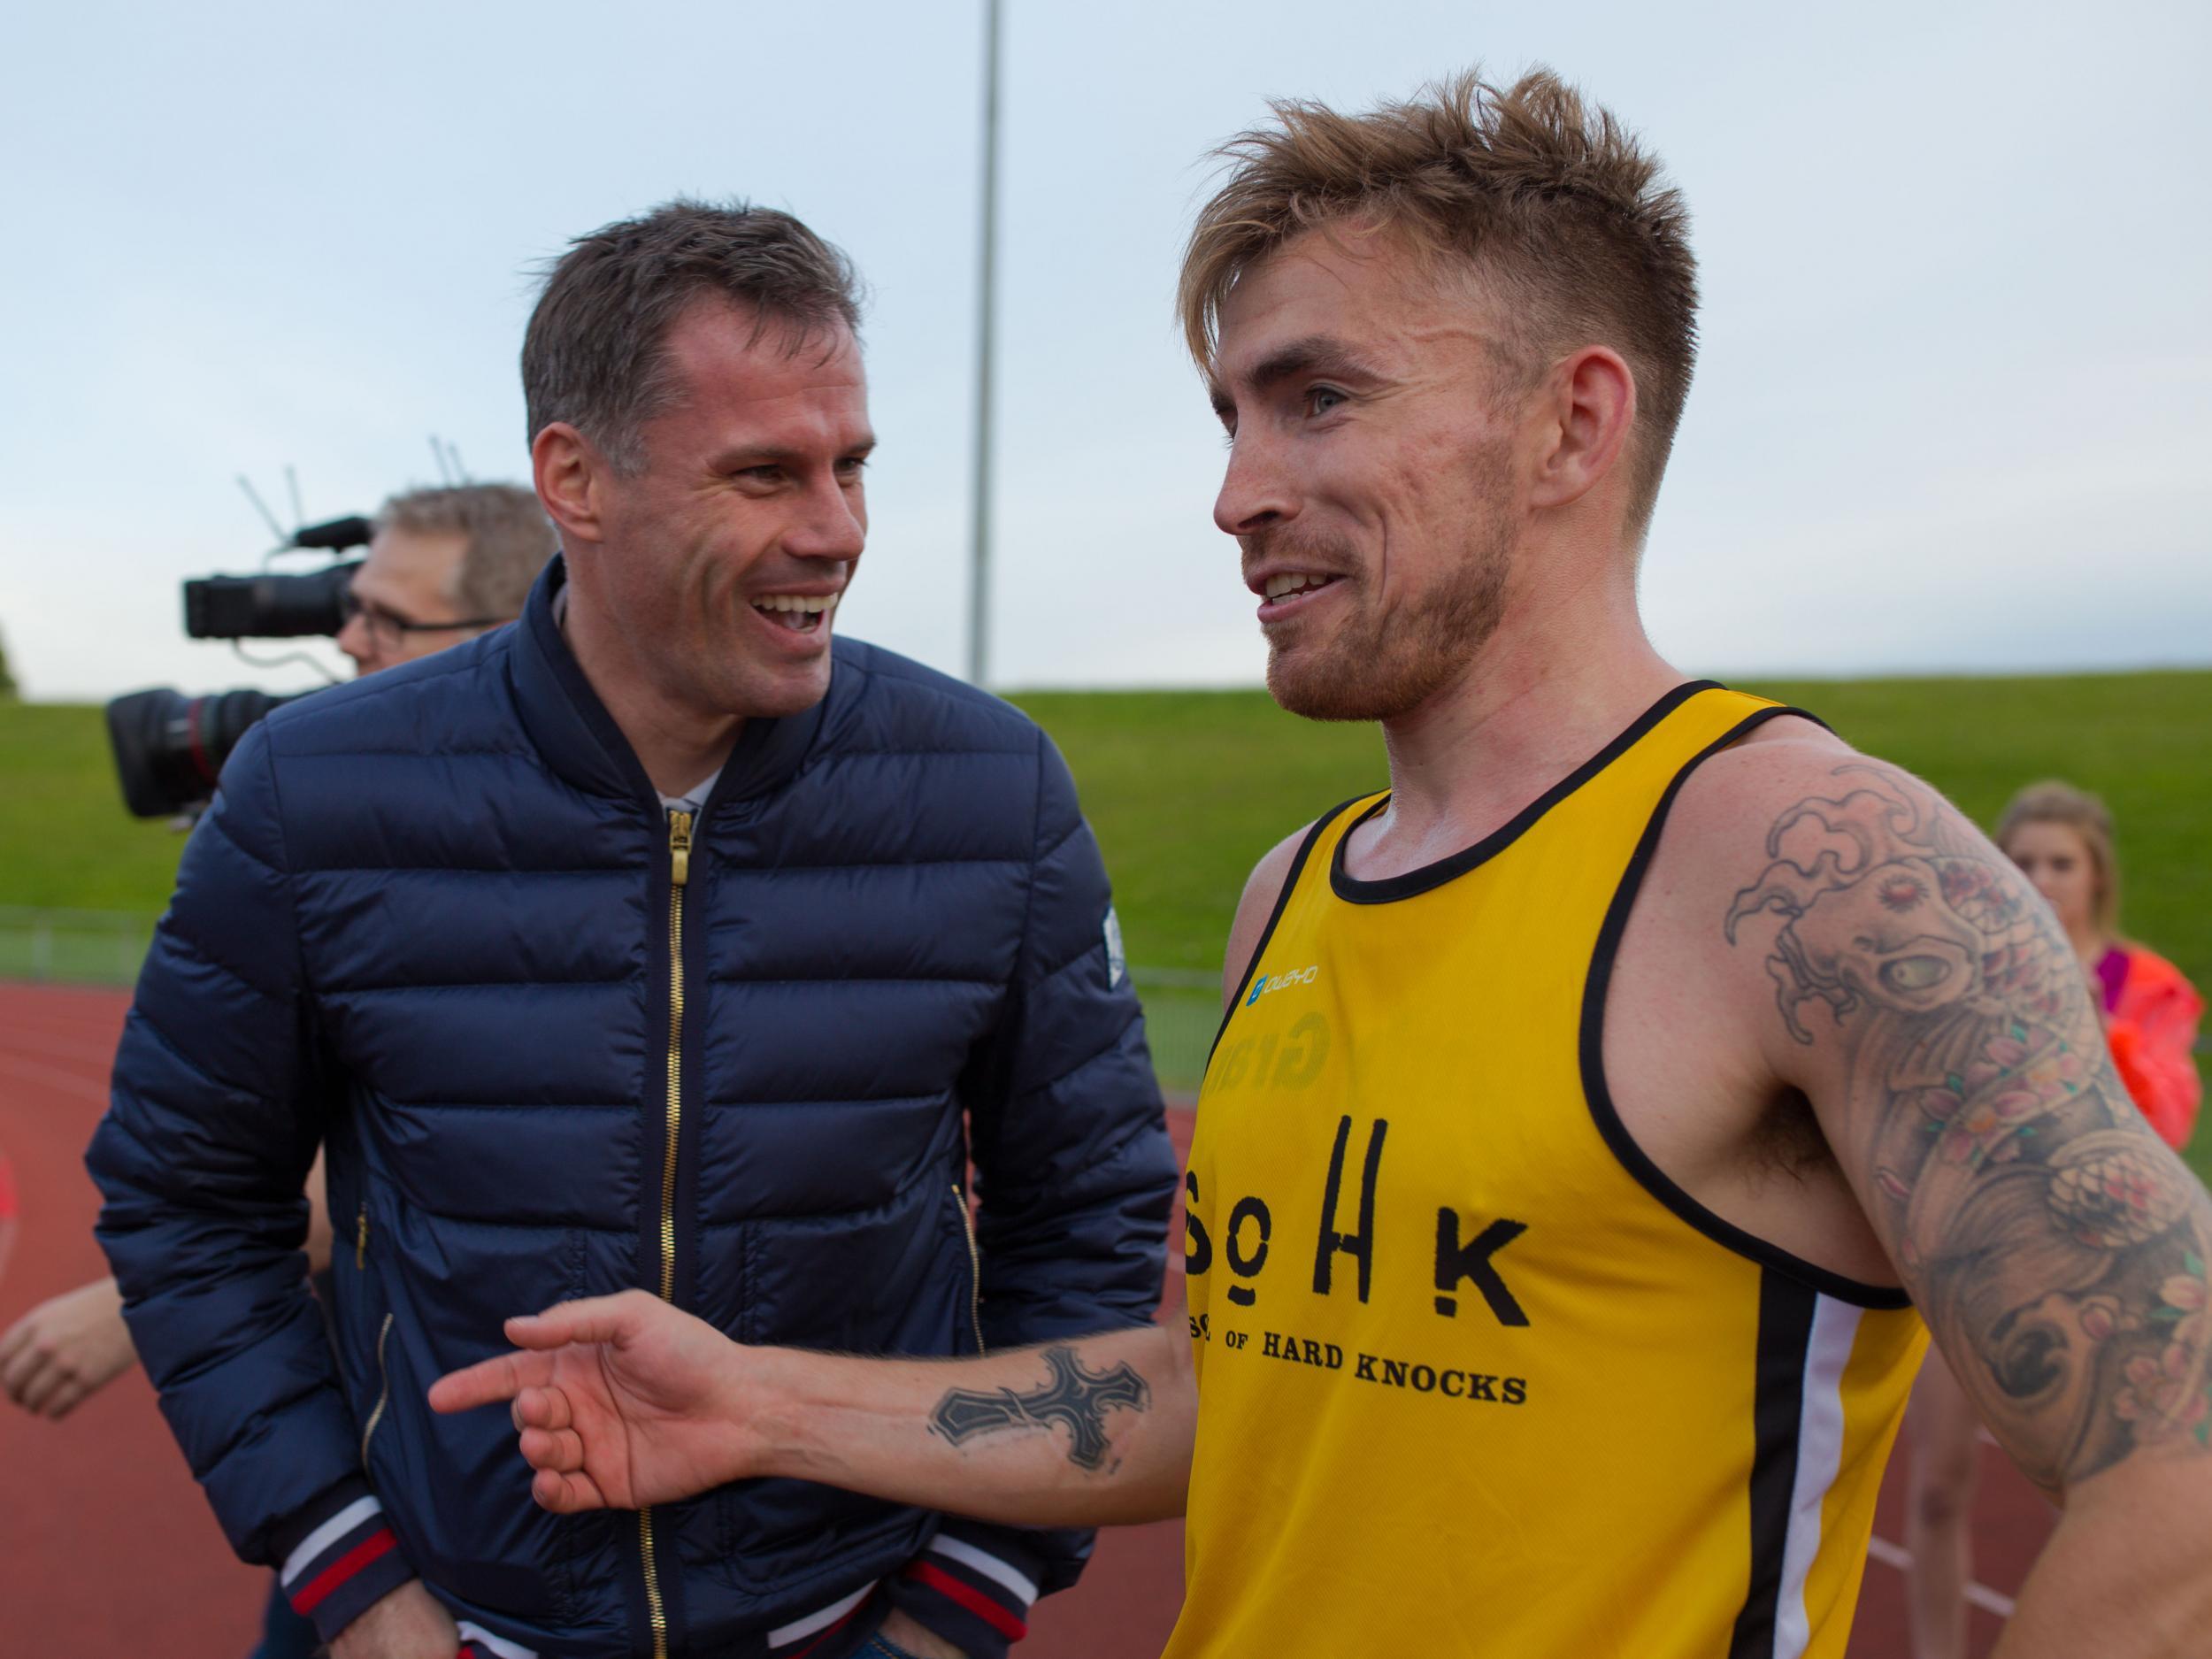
1594	1107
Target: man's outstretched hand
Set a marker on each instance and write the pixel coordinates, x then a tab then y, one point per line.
622	1400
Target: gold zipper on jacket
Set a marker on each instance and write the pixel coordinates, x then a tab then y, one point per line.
679	877
975	1267
384	1393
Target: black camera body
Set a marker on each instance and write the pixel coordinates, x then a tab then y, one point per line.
170	748
268	607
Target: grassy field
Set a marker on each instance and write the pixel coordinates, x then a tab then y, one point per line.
1186	789
64	838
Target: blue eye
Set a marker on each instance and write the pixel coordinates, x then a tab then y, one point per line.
1322	399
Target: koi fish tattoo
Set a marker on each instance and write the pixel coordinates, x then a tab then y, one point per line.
2055	1245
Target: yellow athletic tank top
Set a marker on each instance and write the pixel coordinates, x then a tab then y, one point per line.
1475	1377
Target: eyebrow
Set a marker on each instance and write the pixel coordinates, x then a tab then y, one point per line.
772	455
1312	354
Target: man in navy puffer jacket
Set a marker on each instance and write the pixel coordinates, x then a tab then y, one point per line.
652	941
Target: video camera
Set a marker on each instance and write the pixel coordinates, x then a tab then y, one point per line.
169	748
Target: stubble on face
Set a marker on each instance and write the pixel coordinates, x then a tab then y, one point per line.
1385	422
734	502
1383	661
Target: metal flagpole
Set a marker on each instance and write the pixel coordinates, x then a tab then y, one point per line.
986	323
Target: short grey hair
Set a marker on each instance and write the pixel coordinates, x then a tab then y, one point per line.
594	353
510	540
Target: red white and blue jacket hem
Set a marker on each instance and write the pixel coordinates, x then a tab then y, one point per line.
973	1586
339	1560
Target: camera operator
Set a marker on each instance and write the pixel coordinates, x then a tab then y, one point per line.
443	566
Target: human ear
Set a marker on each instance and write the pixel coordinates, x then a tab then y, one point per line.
1589	405
570	477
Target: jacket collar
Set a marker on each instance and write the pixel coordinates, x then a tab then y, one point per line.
580	740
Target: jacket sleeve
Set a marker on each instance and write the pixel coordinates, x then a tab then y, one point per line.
1077	1179
2151	1043
213	1122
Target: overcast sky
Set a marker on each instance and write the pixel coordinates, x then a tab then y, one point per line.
1953	409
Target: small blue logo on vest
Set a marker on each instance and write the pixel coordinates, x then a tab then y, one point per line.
1262	985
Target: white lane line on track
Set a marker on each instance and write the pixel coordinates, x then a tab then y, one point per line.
61	1045
95	1061
1980	1594
52	1077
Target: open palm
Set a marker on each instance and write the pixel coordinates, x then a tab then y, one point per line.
622	1402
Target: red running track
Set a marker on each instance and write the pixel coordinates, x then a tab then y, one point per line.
106	1546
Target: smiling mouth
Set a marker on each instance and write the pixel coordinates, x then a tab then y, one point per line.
1287	592
1294	584
799	613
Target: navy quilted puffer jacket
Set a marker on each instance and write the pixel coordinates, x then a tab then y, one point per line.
431	923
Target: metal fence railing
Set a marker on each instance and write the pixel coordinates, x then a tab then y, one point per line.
1182	1006
1182	1011
72	947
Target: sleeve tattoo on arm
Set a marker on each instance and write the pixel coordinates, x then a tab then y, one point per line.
2054	1244
1071	1397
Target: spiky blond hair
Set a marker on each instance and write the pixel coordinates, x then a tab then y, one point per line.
1547	198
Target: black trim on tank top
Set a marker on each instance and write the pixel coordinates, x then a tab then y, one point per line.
1599	1095
1785	1336
1454	865
1282	903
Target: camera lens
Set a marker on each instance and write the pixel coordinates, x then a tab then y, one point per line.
170	748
